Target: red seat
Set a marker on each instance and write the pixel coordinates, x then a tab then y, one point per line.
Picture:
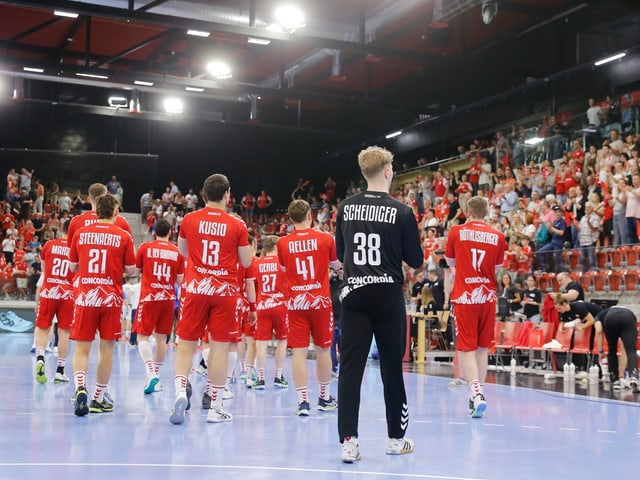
615	280
563	336
624	251
631	280
633	255
601	280
616	257
601	258
587	280
509	338
581	344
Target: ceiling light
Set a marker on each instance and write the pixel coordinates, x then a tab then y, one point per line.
394	134
489	11
258	41
289	17
609	59
173	105
198	33
118	102
143	83
92	75
33	69
194	89
219	70
274	27
62	13
534	140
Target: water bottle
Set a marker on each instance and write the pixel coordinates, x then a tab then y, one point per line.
565	371
513	366
593	374
572	370
604	363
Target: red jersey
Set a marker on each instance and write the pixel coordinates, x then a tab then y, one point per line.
248	201
58	278
264	201
213	238
161	263
245	274
271	283
305	255
102	251
477	249
89	218
6	220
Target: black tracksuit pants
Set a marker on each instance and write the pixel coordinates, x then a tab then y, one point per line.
621	323
373	310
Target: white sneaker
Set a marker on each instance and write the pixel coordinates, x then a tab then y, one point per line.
227	395
150	386
159	387
458	382
200	370
581	375
621	384
60	378
350	450
179	407
398	446
218	416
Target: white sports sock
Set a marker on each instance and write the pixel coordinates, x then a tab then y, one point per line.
144	348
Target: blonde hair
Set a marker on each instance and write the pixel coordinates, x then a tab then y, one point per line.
97	190
477	207
372	160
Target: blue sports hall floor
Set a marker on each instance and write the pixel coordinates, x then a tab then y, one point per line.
532	429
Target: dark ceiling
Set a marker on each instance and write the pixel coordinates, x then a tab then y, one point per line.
357	70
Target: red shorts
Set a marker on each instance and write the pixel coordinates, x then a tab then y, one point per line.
317	323
474	325
272	320
88	320
218	314
154	317
48	307
242	312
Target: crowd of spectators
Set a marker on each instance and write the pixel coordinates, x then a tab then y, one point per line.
570	188
567	189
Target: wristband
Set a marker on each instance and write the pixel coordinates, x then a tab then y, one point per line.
252	306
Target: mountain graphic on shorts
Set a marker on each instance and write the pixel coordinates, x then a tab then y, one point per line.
57	293
97	297
159	296
307	301
211	287
10	322
479	295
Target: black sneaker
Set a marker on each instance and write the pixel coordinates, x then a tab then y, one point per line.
280	382
303	409
259	385
100	407
189	393
206	401
80	407
327	405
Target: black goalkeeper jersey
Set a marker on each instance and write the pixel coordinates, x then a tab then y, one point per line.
375	233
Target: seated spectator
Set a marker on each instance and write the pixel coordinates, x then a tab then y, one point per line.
532	300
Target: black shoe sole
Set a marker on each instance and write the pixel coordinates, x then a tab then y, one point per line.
80	405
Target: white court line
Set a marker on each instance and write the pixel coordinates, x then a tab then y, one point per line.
533	427
424	421
606	431
457	423
494	425
237	467
567	429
